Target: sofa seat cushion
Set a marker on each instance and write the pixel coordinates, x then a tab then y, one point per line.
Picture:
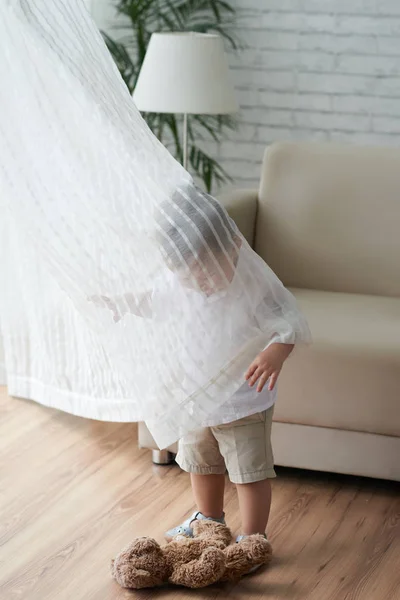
350	377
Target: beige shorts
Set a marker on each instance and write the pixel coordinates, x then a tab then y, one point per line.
243	448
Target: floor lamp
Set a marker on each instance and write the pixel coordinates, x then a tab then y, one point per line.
185	73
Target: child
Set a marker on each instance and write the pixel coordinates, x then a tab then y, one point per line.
202	248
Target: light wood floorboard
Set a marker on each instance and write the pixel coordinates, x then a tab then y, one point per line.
74	491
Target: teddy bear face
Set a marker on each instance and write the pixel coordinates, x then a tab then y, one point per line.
140	565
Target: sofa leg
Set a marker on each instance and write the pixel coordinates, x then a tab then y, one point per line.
162	457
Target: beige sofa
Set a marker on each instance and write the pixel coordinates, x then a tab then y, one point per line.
326	218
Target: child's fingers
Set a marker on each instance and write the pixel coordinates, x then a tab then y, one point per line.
251	370
259	371
262	381
95	299
273	380
100	300
108	302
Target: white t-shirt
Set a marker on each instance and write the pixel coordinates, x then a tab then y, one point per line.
237	407
246	400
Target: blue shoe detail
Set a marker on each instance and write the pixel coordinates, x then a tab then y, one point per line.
185	530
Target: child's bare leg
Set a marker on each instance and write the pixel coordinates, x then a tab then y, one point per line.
255	504
208	492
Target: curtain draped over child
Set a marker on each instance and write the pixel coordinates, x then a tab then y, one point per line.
127	293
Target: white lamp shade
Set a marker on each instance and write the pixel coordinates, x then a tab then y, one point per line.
185	73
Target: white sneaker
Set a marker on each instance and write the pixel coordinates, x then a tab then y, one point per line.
185	530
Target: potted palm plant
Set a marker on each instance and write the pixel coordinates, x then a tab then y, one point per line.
141	19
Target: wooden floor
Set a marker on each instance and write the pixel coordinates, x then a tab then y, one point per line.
73	492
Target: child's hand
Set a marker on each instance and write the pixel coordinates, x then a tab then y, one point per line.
102	301
268	365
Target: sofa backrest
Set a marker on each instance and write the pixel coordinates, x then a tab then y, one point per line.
329	217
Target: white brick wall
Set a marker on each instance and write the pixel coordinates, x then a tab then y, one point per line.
314	69
311	69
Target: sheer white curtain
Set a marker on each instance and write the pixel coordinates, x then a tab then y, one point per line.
127	293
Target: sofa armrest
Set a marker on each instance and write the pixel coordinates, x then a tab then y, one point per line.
242	208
